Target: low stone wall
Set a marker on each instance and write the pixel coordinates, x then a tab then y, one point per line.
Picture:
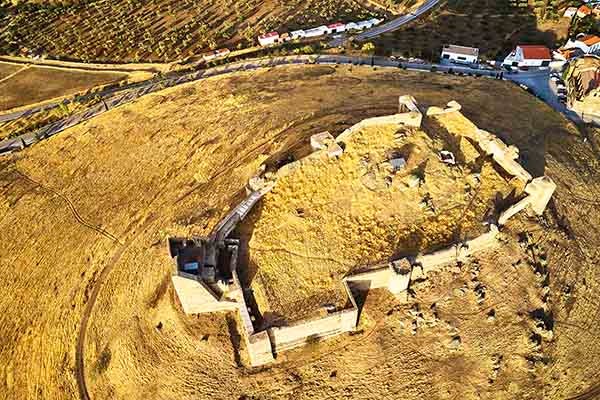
288	337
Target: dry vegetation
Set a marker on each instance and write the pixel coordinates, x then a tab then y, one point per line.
172	163
36	84
156	30
7	70
330	217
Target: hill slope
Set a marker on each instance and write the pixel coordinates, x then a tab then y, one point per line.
85	216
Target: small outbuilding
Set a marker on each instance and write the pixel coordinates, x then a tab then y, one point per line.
583	11
268	38
589	44
460	54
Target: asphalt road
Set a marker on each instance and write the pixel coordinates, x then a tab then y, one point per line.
388	26
397	22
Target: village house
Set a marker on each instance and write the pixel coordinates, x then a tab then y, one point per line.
318	31
337	27
570	12
583	11
460	54
589	44
268	38
529	56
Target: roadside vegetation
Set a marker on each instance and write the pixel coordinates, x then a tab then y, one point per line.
155	30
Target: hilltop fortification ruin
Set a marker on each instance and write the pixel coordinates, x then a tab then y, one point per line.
207	272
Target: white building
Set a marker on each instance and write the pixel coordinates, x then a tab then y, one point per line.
351	25
589	44
297	34
338	27
360	25
529	56
318	31
460	54
268	38
570	12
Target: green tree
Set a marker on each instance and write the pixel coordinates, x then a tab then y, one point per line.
368	48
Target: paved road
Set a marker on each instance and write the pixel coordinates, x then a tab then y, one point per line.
388	26
397	22
537	80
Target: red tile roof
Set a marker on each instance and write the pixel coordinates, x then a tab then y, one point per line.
535	52
584	10
268	35
335	25
590	40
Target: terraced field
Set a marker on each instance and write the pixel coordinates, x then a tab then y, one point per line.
157	30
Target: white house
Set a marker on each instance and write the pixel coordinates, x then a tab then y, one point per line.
570	12
268	38
360	25
529	56
318	31
460	54
351	25
297	34
337	27
589	44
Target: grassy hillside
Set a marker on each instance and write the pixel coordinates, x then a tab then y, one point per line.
84	218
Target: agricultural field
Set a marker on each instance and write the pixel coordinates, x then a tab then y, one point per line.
494	26
394	6
36	84
85	290
156	30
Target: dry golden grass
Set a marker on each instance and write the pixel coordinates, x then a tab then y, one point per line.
329	217
173	162
8	69
37	84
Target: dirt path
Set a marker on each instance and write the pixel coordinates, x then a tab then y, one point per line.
79	352
6	78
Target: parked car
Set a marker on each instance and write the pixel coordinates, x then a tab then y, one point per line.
556	75
555	79
560	86
562	91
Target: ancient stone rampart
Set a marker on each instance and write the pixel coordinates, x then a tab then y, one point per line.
538	191
308	331
396	276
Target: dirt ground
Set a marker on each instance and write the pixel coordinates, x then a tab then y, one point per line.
36	84
84	218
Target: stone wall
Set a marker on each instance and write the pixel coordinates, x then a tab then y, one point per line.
289	337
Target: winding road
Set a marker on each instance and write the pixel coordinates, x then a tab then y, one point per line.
388	26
